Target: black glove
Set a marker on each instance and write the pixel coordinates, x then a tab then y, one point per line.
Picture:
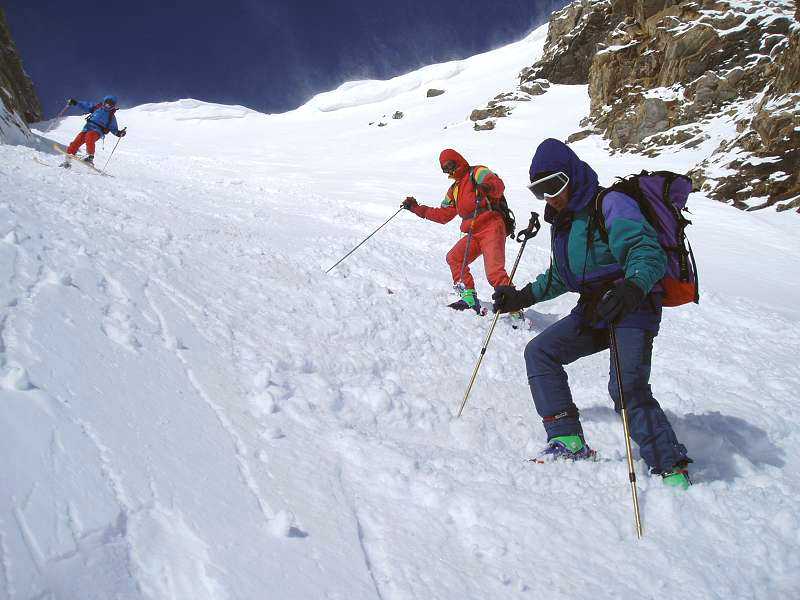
72	102
508	299
122	133
619	301
409	203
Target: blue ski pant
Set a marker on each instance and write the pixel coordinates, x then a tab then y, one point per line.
565	342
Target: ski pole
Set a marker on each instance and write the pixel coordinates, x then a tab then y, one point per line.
525	235
366	238
466	250
460	287
56	118
119	139
623	413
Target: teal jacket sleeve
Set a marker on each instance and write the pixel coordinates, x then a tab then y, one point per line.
633	241
539	286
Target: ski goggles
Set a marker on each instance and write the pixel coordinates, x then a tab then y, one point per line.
449	167
549	185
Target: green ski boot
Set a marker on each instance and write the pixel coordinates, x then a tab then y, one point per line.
565	447
677	477
469	300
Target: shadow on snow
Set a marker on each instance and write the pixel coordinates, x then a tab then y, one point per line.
716	442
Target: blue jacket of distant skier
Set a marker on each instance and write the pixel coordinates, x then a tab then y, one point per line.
101	119
632	251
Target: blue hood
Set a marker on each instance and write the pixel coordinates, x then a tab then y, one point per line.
553	155
112	98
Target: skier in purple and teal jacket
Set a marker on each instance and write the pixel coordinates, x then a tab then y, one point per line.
100	122
618	284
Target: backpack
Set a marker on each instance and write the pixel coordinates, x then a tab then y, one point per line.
500	206
661	196
105	129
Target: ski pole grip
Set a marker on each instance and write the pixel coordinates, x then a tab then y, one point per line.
531	230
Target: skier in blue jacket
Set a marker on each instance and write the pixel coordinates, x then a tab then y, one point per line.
100	122
618	284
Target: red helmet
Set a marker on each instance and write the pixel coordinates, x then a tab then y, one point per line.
453	163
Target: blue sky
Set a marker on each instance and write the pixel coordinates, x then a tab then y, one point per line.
270	56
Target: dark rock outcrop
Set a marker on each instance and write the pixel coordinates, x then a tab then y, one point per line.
670	69
718	76
773	136
501	105
572	37
491	112
17	95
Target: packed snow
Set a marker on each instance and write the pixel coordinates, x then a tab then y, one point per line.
192	408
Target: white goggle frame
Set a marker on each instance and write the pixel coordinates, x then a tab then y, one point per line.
560	175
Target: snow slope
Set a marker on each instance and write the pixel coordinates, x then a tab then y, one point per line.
192	409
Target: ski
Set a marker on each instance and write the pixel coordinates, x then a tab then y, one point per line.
594	458
71	158
44	164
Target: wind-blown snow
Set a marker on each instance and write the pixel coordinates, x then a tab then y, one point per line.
359	93
509	59
187	110
191	408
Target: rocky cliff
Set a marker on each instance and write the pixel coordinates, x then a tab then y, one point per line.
19	104
720	77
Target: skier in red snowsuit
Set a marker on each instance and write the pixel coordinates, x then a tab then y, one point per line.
472	196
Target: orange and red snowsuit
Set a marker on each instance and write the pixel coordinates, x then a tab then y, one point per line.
488	228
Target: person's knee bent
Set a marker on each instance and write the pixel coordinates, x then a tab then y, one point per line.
451	259
635	396
535	356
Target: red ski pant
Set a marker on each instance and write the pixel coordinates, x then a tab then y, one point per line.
87	137
489	239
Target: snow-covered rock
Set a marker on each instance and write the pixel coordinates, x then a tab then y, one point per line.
19	104
720	79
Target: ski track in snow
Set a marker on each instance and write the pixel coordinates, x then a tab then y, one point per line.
193	409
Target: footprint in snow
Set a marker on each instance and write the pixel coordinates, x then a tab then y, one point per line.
16	378
282	524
